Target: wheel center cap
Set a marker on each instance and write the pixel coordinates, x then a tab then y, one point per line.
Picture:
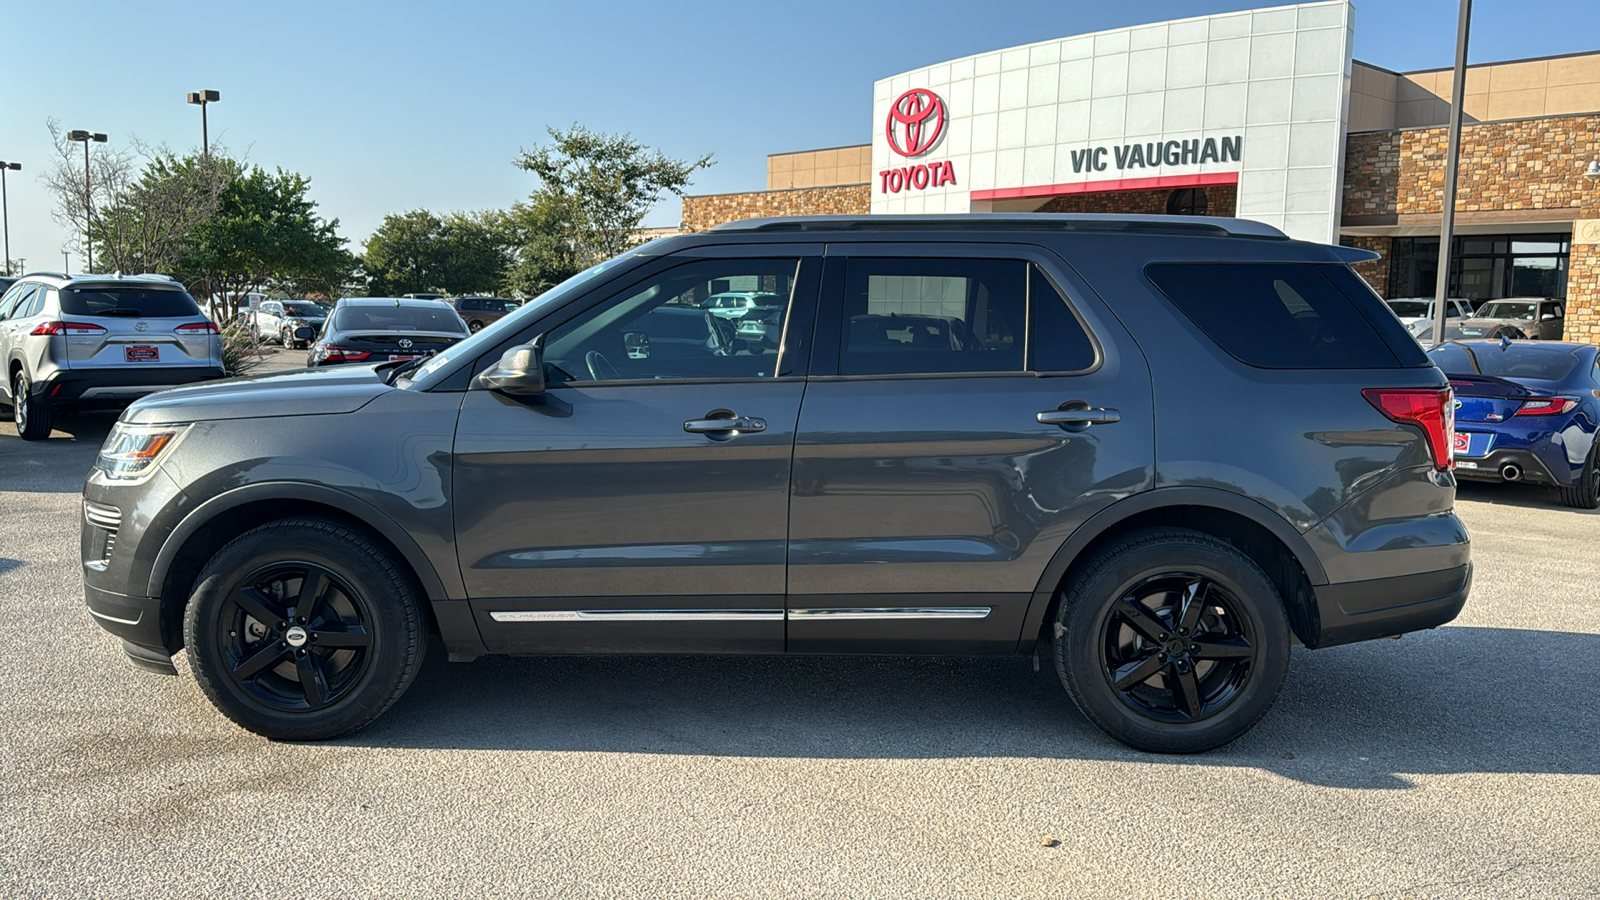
1177	646
296	636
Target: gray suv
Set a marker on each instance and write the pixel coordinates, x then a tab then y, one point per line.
1156	451
98	340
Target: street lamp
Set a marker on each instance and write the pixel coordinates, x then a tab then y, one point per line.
5	210
200	99
88	198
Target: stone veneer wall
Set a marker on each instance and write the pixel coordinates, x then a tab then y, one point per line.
1375	271
1221	200
1526	164
700	213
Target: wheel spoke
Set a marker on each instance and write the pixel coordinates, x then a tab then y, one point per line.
1143	620
1186	691
258	661
312	680
258	604
1130	674
312	587
1224	648
351	636
1194	603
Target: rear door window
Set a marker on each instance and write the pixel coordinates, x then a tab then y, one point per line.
1288	315
128	302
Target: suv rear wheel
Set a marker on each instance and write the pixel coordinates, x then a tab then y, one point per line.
303	629
1172	641
31	415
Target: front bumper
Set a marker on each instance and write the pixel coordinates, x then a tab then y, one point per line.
115	387
1385	607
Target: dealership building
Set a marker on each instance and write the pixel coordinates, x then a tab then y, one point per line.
1263	115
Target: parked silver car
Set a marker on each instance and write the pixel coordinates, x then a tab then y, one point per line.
98	340
278	320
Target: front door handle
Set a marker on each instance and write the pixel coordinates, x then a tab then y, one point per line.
739	424
1079	417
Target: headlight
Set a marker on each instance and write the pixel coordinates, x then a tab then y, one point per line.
132	451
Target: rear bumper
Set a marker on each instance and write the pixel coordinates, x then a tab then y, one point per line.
1383	607
1488	468
110	387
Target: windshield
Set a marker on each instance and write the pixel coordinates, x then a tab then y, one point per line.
397	318
1513	361
1501	309
130	302
303	309
1410	308
491	334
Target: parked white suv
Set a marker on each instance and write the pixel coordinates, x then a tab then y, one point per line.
278	319
98	340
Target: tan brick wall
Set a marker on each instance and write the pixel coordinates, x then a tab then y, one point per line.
1583	284
700	213
1375	271
1221	200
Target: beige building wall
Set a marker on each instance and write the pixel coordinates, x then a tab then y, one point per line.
1381	100
819	168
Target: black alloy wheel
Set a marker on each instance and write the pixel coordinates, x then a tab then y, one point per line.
1585	494
474	326
1175	649
295	636
1171	640
30	415
304	629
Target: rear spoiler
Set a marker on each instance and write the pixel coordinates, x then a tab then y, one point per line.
1352	255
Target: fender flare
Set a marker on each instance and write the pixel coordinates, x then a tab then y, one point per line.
364	512
1158	498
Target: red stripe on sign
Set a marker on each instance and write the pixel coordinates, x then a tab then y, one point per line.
1106	187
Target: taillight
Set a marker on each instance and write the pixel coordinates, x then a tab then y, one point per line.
341	354
1433	411
68	328
198	328
1553	407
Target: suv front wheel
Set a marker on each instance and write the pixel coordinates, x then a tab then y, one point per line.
1172	641
303	630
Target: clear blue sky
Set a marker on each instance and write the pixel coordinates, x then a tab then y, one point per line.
395	105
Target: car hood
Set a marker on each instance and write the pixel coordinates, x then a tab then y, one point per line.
302	392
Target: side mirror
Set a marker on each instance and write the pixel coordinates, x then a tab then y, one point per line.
305	333
637	343
520	371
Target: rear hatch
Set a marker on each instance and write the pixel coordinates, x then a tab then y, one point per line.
121	325
382	346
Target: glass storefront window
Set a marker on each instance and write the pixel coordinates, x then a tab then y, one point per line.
1483	267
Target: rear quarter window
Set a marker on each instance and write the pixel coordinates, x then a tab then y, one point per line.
141	303
1288	315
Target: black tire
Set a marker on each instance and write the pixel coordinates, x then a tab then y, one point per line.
32	416
1586	493
1121	613
474	326
366	596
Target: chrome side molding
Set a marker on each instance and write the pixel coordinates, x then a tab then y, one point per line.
638	615
893	612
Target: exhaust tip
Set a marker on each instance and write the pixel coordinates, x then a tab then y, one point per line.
1511	472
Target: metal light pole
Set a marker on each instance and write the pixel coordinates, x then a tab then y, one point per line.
1452	161
88	196
200	99
5	208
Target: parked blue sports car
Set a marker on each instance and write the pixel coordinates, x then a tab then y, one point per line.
1527	411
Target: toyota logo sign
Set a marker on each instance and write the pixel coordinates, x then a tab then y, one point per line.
915	123
405	343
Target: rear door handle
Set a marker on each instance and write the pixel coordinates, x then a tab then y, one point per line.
1079	417
742	424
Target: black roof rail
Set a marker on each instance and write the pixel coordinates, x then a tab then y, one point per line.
41	273
1084	222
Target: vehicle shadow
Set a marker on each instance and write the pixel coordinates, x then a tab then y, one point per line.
58	464
1364	716
1528	496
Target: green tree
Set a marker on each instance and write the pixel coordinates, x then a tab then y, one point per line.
267	235
460	253
594	190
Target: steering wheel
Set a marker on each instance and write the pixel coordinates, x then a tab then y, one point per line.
721	331
600	368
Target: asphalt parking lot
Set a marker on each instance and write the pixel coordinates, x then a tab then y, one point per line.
1457	762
